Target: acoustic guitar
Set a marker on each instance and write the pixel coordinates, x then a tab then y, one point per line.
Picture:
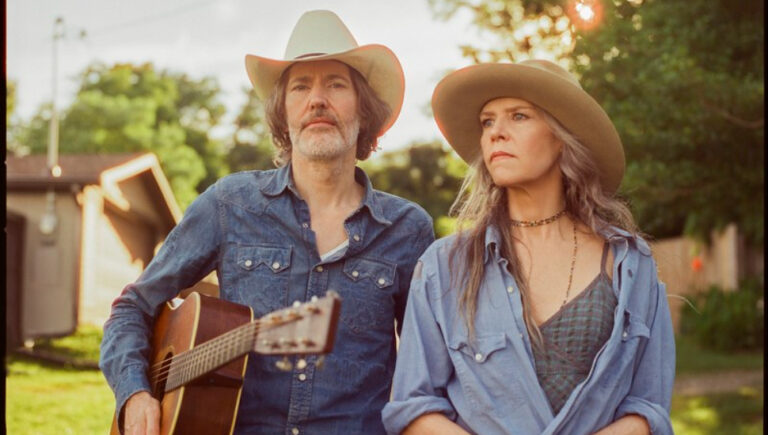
200	350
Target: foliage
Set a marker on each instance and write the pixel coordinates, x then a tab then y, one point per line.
251	146
719	414
727	320
426	173
132	108
692	358
683	82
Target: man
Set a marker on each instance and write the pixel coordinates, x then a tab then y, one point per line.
312	225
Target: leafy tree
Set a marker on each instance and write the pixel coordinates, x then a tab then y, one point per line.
125	107
683	82
426	173
251	146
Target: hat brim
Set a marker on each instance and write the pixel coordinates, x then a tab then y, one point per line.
377	64
459	97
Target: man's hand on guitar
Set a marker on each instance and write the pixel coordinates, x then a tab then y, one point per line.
142	415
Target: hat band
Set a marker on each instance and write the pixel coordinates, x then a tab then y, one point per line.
309	55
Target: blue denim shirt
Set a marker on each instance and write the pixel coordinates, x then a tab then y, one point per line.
259	216
489	386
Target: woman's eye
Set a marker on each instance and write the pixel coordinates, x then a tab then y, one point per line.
517	116
486	123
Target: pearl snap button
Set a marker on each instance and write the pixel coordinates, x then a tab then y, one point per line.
510	289
302	377
355	273
301	364
275	265
478	357
356	237
381	281
295	431
319	269
304	225
624	334
248	263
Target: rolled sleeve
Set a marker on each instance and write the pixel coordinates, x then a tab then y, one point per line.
188	254
651	392
423	365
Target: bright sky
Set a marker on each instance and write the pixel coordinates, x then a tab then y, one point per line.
212	37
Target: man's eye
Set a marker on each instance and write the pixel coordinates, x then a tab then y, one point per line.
298	87
338	85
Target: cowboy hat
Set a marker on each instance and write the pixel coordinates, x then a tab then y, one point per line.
321	35
459	97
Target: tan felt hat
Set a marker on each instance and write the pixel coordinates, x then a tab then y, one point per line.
459	97
321	35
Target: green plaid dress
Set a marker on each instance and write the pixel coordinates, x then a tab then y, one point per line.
573	336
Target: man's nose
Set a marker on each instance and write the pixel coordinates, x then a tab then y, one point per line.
317	97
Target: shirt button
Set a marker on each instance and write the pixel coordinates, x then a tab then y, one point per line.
624	334
275	265
301	364
302	377
381	281
510	289
304	225
248	263
355	273
356	237
295	431
319	269
478	357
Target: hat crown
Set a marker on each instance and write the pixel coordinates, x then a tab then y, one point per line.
553	68
317	33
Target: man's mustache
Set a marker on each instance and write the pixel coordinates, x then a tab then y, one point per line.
319	116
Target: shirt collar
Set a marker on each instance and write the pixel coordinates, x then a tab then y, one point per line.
282	179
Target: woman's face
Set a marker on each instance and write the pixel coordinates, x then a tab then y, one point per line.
519	149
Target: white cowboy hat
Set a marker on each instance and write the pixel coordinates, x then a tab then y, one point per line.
321	35
459	97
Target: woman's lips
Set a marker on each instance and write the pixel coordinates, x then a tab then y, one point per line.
501	155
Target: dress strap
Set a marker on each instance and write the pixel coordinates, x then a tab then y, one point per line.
604	259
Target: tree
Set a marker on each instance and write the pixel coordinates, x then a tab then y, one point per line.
251	146
125	108
683	83
425	173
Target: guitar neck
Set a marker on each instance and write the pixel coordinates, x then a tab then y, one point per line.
200	360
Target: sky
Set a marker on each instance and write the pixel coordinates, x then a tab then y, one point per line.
212	37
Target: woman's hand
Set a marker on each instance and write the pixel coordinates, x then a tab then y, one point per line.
630	424
433	424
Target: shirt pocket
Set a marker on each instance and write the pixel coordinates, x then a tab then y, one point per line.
484	368
633	337
262	276
367	288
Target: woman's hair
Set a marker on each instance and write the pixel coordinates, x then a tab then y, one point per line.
481	203
371	109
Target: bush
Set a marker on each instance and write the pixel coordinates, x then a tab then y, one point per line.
727	320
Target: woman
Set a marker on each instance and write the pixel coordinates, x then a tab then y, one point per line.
544	313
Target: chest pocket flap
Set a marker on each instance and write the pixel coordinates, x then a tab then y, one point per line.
481	348
275	258
382	274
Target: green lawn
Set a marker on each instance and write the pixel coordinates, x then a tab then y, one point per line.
50	399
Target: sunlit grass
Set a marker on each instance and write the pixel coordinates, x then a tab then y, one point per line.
692	358
739	413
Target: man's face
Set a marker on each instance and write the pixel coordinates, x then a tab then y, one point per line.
321	110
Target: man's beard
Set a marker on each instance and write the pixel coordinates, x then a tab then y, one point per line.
329	144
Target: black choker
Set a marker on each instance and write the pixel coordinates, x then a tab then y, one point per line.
538	222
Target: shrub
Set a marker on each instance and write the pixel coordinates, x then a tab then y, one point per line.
727	320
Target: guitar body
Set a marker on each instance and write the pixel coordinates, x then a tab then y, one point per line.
209	404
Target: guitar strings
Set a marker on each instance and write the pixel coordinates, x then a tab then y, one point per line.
178	366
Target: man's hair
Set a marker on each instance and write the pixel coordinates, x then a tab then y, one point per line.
372	111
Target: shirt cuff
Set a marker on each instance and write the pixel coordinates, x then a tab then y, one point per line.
397	415
132	380
656	415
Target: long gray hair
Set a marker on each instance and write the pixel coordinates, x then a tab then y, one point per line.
481	204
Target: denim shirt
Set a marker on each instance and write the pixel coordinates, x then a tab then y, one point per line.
254	229
489	385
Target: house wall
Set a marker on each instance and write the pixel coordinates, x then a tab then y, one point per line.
51	269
